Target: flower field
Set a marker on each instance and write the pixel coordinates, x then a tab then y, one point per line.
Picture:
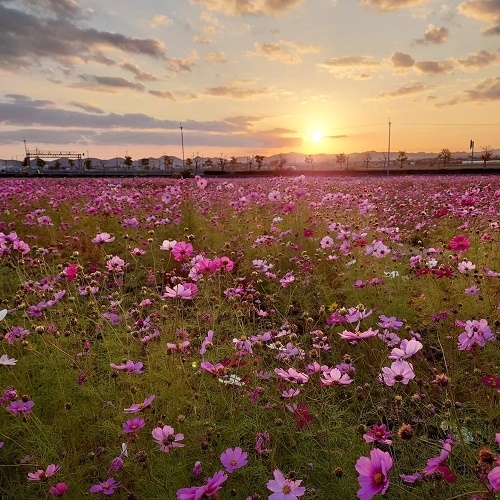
282	338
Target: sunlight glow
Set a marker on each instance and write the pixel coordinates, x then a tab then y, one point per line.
317	136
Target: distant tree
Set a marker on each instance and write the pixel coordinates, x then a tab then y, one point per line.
26	162
40	162
189	162
145	163
402	158
250	161
208	163
384	159
486	154
259	159
445	156
103	164
88	163
341	159
57	165
222	161
167	162
71	163
281	161
309	161
368	159
232	162
128	161
197	160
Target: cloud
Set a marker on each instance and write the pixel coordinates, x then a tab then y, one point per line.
349	66
181	65
248	7
236	90
61	9
484	92
434	67
160	20
139	75
107	83
391	5
434	35
216	57
406	90
166	94
201	39
401	60
288	52
25	39
483	10
479	59
87	106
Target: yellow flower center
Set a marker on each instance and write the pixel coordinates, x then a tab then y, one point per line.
286	489
378	477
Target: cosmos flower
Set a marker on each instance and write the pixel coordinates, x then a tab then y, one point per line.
103	238
378	434
459	243
59	489
137	407
133	424
373	474
399	372
108	487
129	366
43	474
334	377
167	439
283	488
5	360
186	291
233	459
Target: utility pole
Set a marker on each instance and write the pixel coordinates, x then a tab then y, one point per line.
472	154
182	142
389	149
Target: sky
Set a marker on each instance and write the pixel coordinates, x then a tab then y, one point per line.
245	77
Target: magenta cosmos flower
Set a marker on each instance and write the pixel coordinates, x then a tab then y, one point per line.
103	238
334	377
20	406
133	424
167	439
234	459
373	474
399	371
182	250
136	407
43	474
459	243
108	487
59	489
378	434
283	488
212	485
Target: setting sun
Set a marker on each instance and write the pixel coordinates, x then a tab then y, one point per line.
317	136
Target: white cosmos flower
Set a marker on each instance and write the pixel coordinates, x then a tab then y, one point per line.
3	313
5	360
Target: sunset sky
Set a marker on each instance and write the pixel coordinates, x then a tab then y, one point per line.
245	77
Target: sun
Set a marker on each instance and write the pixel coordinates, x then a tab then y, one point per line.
317	136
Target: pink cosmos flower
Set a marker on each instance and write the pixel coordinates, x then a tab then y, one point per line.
182	250
215	370
391	322
399	371
130	366
406	349
476	332
211	486
283	488
378	434
292	375
20	406
59	489
357	335
207	342
334	377
137	407
43	474
115	264
459	243
108	487
103	238
233	459
167	439
71	272
494	478
186	291
133	424
435	462
373	474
